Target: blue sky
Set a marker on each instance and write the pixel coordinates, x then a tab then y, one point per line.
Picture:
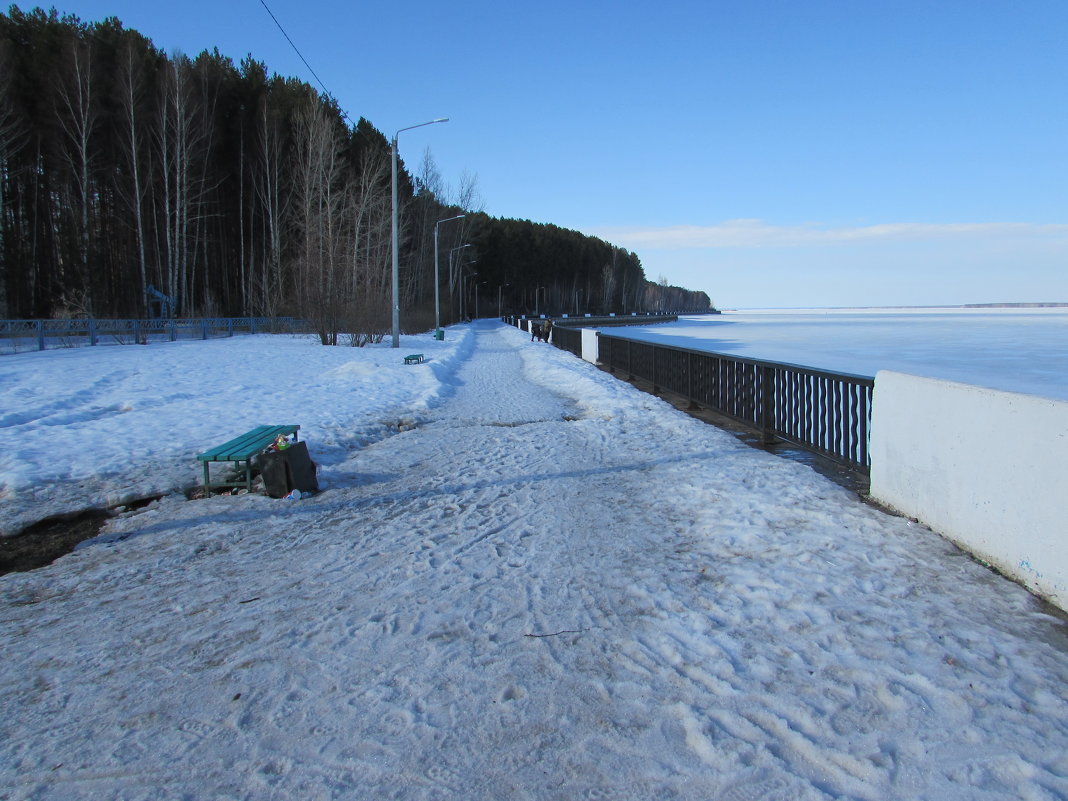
803	153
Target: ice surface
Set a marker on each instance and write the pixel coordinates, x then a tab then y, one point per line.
523	580
1018	350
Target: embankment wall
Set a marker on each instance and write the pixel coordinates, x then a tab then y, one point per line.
986	469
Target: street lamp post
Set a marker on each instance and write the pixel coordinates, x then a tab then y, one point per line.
500	308
396	254
452	279
477	285
465	307
437	282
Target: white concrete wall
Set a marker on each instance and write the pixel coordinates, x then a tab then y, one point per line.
986	469
589	344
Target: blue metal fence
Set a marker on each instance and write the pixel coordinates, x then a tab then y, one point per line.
17	336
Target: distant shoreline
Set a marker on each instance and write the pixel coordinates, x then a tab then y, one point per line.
1014	305
1041	305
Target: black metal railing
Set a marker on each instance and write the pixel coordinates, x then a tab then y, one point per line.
569	339
594	320
21	335
608	320
828	413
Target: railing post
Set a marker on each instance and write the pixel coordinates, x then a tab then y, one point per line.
39	325
862	434
767	404
204	328
92	331
692	405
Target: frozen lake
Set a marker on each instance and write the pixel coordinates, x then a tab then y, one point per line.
1019	350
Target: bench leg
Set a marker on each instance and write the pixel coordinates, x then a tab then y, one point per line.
207	483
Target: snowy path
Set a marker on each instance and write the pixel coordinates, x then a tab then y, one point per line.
528	597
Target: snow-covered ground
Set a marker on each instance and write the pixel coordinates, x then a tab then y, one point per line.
1013	349
523	580
100	426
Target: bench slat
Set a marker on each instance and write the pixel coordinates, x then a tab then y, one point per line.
237	443
247	445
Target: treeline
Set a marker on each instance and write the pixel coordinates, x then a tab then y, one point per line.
133	183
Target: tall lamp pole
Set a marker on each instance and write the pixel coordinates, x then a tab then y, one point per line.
465	307
396	254
452	280
477	285
500	308
437	282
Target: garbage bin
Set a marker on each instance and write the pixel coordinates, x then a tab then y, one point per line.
286	470
439	334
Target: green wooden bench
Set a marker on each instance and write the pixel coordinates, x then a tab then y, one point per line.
242	450
415	358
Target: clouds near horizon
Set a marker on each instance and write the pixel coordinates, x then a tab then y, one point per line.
753	263
755	233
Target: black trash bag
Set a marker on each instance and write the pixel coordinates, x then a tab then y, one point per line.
287	470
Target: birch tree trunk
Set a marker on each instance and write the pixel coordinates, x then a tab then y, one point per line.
76	117
179	141
10	141
130	94
321	200
370	256
267	188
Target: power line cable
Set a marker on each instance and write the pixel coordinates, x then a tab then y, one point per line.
301	55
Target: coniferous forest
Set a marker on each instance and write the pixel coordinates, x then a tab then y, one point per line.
127	175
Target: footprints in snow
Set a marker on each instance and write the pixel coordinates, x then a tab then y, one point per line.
474	422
